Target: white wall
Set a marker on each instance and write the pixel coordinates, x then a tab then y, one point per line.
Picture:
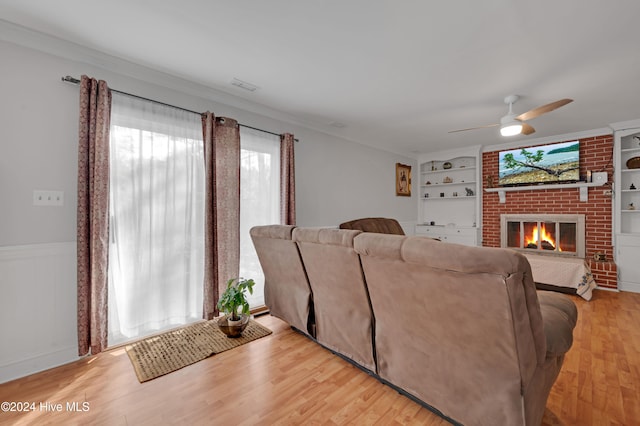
38	308
339	181
336	180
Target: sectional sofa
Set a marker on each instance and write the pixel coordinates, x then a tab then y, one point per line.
460	329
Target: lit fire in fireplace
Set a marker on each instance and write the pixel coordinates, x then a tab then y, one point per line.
547	241
553	234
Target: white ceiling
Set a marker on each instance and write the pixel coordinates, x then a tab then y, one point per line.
397	74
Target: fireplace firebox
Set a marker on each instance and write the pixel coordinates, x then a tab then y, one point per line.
553	234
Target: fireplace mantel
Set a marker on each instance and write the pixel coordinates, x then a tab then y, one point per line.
582	187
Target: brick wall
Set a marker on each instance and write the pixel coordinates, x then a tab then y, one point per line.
596	154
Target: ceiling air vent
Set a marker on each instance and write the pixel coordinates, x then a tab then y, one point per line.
244	85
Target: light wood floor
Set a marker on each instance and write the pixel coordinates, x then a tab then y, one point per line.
287	379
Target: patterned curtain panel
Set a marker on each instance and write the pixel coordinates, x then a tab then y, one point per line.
93	214
287	180
222	207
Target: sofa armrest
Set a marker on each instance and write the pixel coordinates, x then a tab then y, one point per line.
559	316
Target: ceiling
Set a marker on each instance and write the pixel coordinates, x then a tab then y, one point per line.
397	75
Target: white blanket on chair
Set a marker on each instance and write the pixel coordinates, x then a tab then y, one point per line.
564	272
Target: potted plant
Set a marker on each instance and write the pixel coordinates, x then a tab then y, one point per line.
233	302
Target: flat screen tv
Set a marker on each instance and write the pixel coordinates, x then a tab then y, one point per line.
551	163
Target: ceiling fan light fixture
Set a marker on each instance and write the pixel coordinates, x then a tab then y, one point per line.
511	129
509	125
512	124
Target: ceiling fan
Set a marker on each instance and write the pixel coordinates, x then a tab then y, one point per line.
512	124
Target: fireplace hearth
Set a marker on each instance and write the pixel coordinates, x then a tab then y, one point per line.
550	234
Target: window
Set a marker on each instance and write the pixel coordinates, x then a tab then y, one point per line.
156	252
259	199
157	193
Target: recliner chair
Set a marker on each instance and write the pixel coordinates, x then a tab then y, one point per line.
381	225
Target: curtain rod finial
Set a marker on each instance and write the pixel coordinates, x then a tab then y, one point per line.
69	79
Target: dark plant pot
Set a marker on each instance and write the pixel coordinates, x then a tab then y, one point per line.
233	330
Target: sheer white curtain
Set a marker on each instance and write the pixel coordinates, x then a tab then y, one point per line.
259	198
156	256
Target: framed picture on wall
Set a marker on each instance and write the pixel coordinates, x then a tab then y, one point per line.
403	180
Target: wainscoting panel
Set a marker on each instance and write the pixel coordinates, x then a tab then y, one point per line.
37	308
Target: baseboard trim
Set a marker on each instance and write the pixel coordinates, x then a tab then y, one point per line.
36	364
615	290
630	287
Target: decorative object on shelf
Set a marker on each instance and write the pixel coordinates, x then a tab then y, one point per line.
428	182
446	165
632	186
433	167
233	299
631	207
447	179
633	163
432	223
442	195
638	139
470	192
489	181
599	177
403	180
601	257
455	194
426	195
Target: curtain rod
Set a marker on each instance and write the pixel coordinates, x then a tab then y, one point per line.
72	80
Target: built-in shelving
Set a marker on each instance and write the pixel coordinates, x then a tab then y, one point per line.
462	197
472	183
626	220
453	169
446	178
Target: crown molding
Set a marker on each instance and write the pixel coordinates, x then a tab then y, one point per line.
51	45
625	125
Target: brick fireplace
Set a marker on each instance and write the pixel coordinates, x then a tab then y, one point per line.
596	154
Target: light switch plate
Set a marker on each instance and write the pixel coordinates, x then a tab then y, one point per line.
48	198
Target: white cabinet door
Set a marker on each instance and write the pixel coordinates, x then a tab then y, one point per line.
627	255
467	240
466	236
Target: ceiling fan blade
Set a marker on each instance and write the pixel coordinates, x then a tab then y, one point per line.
527	129
536	112
474	128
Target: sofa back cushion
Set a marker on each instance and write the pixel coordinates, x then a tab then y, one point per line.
343	315
381	225
455	325
286	288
